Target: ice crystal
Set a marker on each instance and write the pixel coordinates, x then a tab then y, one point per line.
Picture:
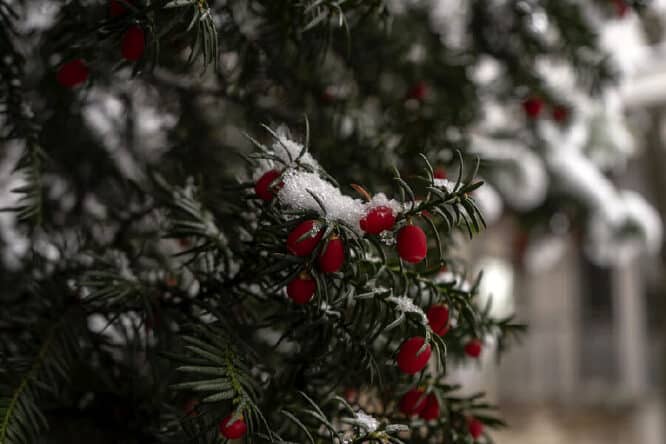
387	238
288	150
369	423
305	191
445	184
406	305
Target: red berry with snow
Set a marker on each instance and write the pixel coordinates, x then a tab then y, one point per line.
117	8
440	173
409	359
378	219
133	43
412	402
431	410
438	318
475	428
303	239
473	348
233	430
533	107
560	114
72	73
419	91
412	244
265	188
332	256
301	289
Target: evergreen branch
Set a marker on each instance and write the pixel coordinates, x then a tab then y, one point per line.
200	24
20	417
111	287
310	419
189	218
217	369
29	204
15	399
19	122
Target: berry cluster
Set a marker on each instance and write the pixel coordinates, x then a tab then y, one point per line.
327	246
75	72
412	243
416	402
533	107
413	357
302	241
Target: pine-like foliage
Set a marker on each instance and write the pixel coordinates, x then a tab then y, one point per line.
144	277
37	350
18	122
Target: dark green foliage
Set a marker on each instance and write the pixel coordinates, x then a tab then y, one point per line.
37	351
17	118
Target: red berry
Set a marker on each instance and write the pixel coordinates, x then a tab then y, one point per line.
133	43
521	240
301	241
560	114
170	281
412	402
265	188
473	348
301	289
184	242
440	173
475	427
72	73
190	407
438	318
328	96
351	394
412	244
332	256
117	8
409	360
431	410
378	219
621	7
533	107
419	91
233	430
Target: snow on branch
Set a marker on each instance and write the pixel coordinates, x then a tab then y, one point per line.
303	186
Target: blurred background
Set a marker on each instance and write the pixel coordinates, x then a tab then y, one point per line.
591	370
